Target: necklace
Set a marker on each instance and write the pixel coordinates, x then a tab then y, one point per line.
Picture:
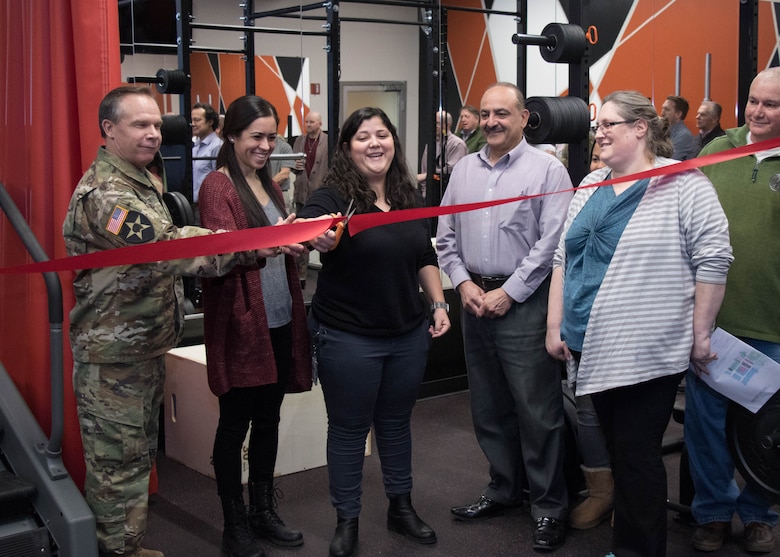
310	146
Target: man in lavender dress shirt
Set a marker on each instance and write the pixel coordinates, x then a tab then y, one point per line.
499	260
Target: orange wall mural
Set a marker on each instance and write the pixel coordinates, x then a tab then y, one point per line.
281	80
639	42
470	53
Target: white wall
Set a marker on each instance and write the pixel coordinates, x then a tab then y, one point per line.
369	51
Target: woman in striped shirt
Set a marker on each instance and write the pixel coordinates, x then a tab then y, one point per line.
638	278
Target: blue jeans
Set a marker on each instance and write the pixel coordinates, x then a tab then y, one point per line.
369	380
590	438
517	405
717	495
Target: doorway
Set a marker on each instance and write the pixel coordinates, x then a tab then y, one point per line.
390	96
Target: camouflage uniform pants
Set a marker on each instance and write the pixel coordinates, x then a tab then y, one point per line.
118	410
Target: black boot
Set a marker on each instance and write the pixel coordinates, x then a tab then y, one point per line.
264	521
237	540
344	538
402	518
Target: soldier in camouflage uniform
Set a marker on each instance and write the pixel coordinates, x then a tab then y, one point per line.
127	317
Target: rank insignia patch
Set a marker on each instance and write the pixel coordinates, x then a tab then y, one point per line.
137	228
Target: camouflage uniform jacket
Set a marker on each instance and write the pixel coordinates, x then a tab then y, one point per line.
130	312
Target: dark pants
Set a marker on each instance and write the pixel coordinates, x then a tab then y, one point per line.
369	380
259	405
517	405
634	420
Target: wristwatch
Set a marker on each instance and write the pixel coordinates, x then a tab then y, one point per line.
444	305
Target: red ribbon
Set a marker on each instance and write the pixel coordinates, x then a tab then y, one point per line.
271	236
185	248
362	222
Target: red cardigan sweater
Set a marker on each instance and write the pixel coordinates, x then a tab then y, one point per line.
238	343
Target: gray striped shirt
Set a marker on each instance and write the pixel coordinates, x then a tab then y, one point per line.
641	323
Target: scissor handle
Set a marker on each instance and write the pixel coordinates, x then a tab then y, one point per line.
339	228
339	231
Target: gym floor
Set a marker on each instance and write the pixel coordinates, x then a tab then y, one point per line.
449	469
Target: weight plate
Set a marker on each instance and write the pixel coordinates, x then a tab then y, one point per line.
176	130
754	441
570	43
557	119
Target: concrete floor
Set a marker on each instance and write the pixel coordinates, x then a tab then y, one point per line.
185	518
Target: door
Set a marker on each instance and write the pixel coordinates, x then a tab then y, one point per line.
390	96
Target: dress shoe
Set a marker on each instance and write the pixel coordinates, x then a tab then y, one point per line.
137	552
484	508
710	536
141	552
403	519
759	538
344	538
550	534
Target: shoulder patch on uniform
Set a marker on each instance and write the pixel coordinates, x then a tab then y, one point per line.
118	216
137	228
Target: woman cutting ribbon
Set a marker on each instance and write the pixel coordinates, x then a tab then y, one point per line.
370	328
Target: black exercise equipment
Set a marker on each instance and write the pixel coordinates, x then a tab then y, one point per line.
42	512
180	208
557	119
176	130
564	43
754	440
172	82
559	43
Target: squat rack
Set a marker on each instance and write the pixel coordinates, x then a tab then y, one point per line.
432	24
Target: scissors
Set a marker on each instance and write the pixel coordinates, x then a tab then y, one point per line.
339	229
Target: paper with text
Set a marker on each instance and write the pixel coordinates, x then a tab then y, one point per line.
741	373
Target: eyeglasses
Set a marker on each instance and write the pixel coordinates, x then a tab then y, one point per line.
606	126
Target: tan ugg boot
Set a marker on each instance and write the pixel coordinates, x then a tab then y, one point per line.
598	506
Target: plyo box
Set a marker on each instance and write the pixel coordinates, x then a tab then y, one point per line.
192	413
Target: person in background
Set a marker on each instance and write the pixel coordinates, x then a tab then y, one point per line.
630	310
749	190
280	170
595	154
674	110
309	172
370	329
469	130
708	122
206	143
499	260
592	446
127	317
254	325
449	150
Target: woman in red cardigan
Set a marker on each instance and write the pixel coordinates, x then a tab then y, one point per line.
257	344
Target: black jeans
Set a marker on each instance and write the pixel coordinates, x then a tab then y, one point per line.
634	419
259	405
